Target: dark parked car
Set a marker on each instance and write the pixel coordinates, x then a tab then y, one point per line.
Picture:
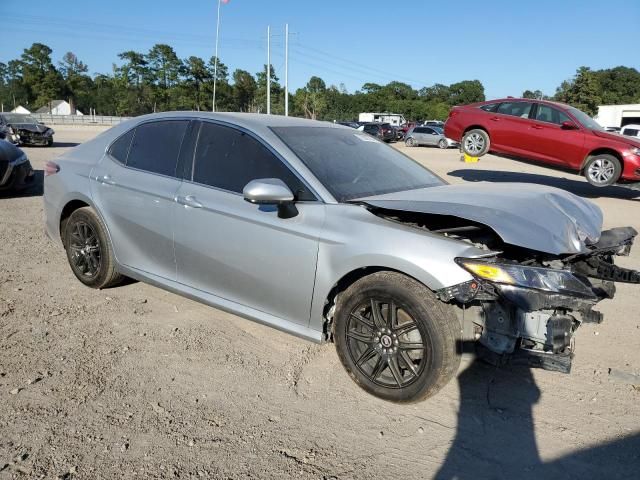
382	131
24	130
15	169
549	132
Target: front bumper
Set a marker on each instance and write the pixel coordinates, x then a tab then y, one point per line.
26	137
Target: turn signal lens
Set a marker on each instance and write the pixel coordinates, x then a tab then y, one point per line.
488	272
51	168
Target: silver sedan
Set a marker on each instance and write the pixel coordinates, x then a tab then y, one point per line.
428	135
327	233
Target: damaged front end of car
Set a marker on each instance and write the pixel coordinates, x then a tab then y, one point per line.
525	300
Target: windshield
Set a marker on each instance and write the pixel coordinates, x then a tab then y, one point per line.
18	118
354	165
584	119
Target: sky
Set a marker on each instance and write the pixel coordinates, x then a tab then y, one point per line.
510	46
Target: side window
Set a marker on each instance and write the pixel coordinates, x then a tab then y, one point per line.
156	145
120	148
227	158
515	109
420	130
492	107
548	114
631	132
429	131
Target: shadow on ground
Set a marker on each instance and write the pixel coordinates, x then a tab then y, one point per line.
574	186
35	190
495	435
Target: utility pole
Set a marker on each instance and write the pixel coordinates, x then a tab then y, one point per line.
215	67
269	70
286	70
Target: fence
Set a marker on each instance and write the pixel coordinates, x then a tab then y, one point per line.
78	119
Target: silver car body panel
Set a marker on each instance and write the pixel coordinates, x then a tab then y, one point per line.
537	217
215	252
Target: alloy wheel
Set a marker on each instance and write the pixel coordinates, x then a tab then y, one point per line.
474	143
601	170
385	343
85	249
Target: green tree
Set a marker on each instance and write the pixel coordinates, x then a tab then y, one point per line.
312	98
244	91
277	99
465	92
537	94
39	76
582	92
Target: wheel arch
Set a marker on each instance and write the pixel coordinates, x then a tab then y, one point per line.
474	127
74	203
602	151
344	282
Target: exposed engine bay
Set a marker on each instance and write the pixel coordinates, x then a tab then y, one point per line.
525	305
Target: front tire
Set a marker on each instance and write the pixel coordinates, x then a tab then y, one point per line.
396	340
443	144
602	170
411	142
88	250
476	142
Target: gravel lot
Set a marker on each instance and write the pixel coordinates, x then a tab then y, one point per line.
135	381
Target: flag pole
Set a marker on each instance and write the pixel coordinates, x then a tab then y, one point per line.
215	67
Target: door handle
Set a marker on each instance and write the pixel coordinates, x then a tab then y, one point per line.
537	127
106	180
188	201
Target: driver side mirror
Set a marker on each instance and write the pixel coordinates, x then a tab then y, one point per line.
569	126
271	191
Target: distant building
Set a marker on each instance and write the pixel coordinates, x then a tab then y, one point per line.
618	115
58	107
20	109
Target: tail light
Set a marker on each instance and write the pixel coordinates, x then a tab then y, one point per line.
51	168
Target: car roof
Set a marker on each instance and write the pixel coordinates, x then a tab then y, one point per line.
560	105
631	125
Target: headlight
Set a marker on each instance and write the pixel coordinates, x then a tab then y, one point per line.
548	279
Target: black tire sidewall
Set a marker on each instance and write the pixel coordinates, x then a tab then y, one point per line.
443	144
415	306
88	216
615	178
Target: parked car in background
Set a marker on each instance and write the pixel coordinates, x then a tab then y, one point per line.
434	123
323	232
382	131
24	130
399	134
548	132
630	130
431	136
348	124
16	172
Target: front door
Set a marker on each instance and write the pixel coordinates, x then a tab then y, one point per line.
239	251
134	187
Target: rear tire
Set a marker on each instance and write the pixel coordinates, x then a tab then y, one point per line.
476	142
88	250
401	357
602	170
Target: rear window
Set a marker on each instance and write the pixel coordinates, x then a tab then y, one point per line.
156	146
491	107
120	148
515	109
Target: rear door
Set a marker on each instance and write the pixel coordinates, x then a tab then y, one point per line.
430	136
550	142
134	188
237	250
507	126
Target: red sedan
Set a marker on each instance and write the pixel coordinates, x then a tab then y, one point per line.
547	132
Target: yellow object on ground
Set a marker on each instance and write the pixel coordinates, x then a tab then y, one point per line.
470	159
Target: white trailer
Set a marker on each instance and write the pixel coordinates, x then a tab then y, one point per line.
618	115
394	119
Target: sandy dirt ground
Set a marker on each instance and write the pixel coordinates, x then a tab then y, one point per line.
137	382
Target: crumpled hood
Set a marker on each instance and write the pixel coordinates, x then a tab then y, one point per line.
536	217
30	127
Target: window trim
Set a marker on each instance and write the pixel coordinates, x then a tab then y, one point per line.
274	152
